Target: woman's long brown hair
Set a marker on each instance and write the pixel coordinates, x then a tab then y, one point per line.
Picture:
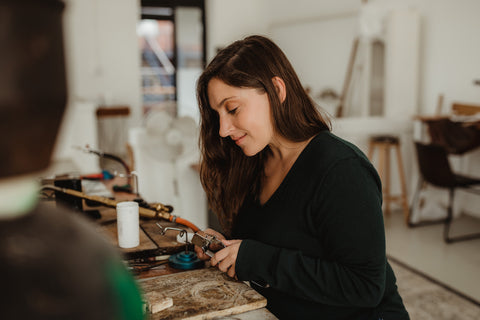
227	175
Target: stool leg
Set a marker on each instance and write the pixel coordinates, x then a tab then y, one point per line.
370	150
387	196
403	185
381	172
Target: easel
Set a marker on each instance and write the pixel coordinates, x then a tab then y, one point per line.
348	78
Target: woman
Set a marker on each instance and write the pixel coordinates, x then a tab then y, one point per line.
301	206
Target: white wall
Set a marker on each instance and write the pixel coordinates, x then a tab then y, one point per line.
449	50
102	51
103	67
319	58
229	20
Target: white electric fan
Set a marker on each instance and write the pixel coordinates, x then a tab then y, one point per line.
165	152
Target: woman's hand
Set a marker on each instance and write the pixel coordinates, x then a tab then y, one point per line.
226	258
200	254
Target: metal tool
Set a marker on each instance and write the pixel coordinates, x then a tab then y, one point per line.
157	210
185	260
182	232
102	154
209	243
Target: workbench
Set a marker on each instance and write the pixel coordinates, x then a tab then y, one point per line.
213	293
203	293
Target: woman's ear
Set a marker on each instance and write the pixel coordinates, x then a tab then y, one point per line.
279	85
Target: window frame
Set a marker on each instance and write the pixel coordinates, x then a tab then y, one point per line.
173	4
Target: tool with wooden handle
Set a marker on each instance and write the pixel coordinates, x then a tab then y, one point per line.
159	210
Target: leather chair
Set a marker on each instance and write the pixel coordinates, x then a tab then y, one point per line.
435	169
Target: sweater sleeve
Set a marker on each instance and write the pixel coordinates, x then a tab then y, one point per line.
347	220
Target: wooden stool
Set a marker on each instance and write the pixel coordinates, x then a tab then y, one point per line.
384	144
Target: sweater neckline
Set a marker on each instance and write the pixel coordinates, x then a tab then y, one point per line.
288	175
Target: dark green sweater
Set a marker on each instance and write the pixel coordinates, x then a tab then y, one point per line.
319	241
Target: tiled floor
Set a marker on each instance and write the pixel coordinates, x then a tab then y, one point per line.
455	265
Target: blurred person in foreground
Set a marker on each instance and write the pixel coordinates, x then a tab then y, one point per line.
302	208
53	265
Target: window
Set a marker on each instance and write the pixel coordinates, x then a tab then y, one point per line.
172	42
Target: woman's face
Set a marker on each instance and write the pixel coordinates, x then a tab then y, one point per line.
244	115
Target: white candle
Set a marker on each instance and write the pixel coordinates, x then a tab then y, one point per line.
128	224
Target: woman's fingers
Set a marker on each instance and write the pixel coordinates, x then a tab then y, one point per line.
225	259
228	243
231	271
225	263
199	251
200	254
219	256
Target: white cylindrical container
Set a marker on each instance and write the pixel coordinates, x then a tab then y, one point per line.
128	228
